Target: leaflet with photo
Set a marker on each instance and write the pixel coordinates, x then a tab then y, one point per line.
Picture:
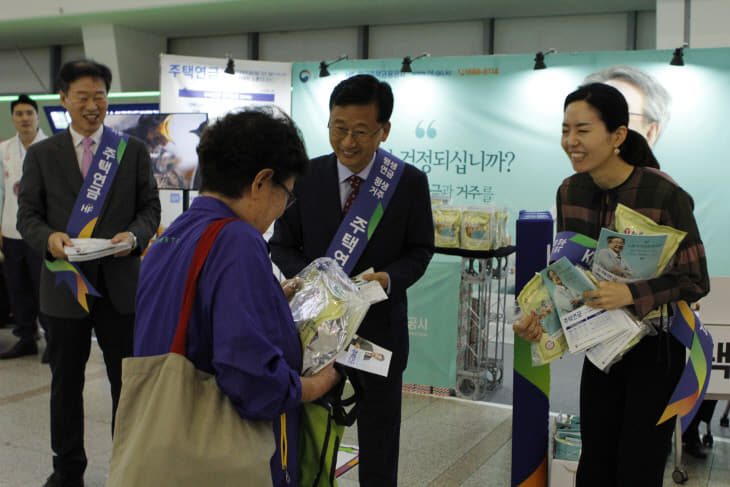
93	248
627	258
364	355
583	326
631	222
534	297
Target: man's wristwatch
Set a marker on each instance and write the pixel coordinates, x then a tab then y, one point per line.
134	237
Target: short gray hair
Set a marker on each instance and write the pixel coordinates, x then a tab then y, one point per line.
658	100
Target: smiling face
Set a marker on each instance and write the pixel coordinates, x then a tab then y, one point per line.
554	277
587	142
363	137
616	244
86	102
25	120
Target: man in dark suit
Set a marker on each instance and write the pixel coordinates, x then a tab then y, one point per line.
121	204
399	251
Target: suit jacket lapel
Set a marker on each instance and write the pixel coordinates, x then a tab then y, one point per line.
69	164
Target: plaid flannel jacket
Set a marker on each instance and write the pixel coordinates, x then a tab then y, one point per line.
585	208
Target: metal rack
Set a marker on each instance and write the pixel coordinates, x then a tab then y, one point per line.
481	328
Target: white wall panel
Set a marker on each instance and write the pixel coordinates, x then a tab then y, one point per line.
709	23
308	45
17	73
570	33
438	39
216	46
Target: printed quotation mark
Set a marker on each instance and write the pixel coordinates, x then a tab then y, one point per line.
429	131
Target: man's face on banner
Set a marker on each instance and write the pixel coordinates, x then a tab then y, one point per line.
638	120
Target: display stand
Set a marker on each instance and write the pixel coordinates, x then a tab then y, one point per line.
482	306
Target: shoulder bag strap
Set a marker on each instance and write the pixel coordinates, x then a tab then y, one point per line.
179	344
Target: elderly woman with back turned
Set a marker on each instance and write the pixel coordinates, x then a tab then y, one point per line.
622	444
241	329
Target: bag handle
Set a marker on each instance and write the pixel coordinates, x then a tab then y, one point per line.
179	344
341	415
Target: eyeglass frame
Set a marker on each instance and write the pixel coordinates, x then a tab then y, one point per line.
359	135
291	198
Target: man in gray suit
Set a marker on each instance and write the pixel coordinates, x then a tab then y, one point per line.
88	181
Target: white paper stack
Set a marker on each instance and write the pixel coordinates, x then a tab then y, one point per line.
93	248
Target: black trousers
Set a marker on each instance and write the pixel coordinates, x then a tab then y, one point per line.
622	446
69	345
22	267
378	429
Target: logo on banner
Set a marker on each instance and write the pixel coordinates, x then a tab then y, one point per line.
304	75
418	326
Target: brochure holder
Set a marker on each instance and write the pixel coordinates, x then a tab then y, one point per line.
482	315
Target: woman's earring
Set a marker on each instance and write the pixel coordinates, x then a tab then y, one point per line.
616	150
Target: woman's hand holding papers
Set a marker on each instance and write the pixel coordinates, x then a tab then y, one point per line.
528	327
609	295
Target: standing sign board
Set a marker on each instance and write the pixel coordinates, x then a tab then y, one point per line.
199	84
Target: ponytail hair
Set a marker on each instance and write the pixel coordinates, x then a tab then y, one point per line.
614	112
636	151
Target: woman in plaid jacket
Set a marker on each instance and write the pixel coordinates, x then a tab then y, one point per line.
621	443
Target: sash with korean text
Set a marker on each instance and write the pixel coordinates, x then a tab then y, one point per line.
366	211
87	208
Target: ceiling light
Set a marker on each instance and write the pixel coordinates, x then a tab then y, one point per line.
678	56
540	58
323	65
230	68
406	66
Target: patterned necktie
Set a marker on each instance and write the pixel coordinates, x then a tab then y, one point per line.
355	184
88	155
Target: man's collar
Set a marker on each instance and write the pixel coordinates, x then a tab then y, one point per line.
344	172
77	137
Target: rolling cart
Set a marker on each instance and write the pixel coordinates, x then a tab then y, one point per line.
482	316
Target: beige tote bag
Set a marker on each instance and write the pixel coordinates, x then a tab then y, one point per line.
174	426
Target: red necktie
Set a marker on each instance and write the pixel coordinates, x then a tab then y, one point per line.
88	156
355	184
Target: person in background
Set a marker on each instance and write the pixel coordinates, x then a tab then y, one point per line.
22	264
621	442
649	102
241	328
85	181
398	250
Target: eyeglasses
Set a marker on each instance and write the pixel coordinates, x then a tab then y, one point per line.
359	135
291	198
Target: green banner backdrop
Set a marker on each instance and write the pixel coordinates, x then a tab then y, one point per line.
486	129
433	304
